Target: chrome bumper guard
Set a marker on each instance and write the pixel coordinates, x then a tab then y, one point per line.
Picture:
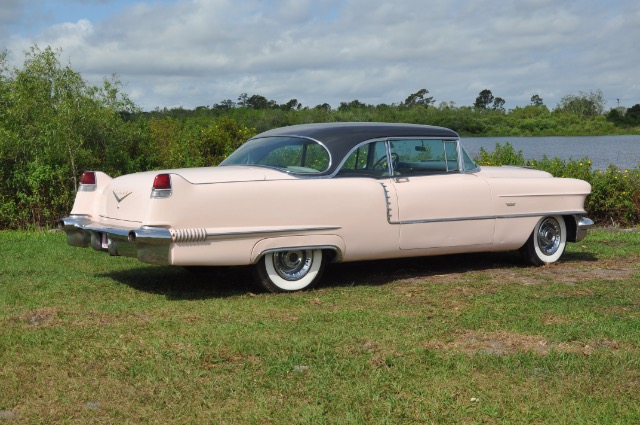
582	225
148	244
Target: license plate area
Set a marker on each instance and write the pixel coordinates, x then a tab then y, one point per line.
104	240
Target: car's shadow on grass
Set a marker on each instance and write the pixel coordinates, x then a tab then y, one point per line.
178	283
446	266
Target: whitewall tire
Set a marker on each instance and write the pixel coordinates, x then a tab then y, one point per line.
291	270
547	242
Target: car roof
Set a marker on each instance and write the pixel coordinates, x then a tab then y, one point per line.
341	137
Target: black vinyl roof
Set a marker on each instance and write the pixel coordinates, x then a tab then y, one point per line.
341	137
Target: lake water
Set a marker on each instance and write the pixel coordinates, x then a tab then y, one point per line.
621	151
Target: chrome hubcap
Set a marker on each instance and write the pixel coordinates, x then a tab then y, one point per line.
549	234
292	265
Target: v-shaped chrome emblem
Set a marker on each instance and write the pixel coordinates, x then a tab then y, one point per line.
121	195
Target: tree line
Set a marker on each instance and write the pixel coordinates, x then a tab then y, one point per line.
54	125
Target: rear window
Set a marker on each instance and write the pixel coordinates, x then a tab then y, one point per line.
290	154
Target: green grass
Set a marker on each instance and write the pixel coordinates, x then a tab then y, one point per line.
85	337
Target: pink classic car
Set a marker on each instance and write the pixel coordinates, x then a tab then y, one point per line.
293	199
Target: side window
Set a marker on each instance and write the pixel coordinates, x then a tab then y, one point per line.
300	157
419	157
357	160
468	162
315	157
369	160
451	155
282	156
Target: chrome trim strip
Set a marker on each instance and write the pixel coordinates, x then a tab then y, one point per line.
388	201
161	193
486	217
532	195
267	231
87	187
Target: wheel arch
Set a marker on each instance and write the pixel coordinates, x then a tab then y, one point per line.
331	244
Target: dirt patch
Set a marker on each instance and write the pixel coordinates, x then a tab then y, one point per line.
505	343
38	318
569	273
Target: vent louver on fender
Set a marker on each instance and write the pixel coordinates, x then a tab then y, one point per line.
189	235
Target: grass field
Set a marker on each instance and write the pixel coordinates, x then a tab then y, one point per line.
88	338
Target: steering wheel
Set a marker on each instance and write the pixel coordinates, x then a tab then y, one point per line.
380	164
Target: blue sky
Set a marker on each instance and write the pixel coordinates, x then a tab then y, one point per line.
190	53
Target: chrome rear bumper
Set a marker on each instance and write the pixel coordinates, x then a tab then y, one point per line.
147	244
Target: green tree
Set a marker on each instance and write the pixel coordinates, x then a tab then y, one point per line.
225	105
498	104
418	98
632	117
615	116
536	100
484	99
583	104
292	105
53	126
354	104
260	102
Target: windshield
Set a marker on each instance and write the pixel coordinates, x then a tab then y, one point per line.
289	154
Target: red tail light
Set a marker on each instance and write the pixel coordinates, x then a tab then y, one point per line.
88	182
88	177
162	181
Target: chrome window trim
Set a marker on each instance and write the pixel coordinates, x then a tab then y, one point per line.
387	141
387	145
353	149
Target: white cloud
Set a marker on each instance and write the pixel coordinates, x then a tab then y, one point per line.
198	52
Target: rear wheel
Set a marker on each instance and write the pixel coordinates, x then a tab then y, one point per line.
292	270
547	242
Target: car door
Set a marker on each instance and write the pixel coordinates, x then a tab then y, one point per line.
438	206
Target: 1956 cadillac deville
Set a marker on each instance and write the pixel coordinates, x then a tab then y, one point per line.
292	199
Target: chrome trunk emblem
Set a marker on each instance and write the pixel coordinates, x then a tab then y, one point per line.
120	195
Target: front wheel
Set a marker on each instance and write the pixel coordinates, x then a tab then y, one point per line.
292	270
547	242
